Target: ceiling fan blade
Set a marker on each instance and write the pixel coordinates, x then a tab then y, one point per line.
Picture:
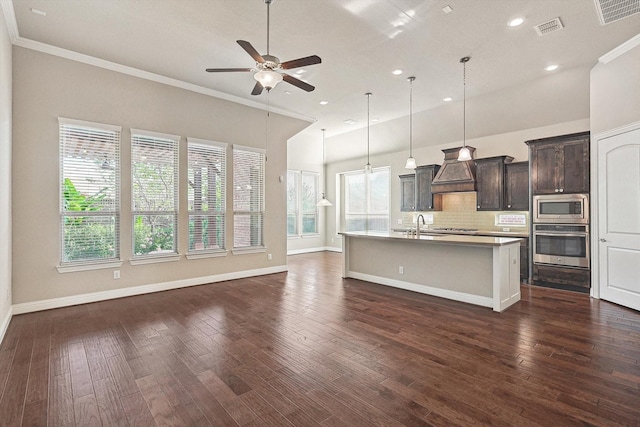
299	83
251	50
227	70
301	62
257	89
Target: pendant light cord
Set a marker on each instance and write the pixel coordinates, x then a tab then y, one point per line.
411	79
464	103
368	102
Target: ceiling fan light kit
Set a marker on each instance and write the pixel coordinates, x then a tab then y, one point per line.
267	71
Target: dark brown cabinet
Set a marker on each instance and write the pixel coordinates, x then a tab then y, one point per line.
425	199
560	164
490	174
407	192
517	186
524	260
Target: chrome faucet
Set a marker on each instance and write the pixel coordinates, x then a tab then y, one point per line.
418	225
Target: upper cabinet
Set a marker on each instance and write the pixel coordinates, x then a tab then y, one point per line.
490	177
560	164
425	199
407	192
517	186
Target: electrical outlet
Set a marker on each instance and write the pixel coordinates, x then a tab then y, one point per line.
506	229
116	274
401	270
399	221
269	257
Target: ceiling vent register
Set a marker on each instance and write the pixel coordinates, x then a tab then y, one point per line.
549	27
614	10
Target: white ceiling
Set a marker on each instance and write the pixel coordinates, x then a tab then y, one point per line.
360	43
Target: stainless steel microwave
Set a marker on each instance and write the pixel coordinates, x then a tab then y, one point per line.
561	208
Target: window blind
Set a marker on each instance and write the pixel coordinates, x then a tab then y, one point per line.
292	203
89	191
154	181
248	197
207	169
366	200
309	198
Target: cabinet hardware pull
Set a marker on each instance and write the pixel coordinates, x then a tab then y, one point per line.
603	240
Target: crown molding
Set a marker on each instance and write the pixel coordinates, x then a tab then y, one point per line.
620	50
135	72
10	19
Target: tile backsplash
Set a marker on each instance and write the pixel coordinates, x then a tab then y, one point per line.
459	211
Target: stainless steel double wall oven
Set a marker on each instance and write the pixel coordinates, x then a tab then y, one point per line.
561	230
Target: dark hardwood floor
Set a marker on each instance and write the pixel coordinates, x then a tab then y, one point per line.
308	348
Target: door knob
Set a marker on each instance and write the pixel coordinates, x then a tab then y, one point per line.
603	240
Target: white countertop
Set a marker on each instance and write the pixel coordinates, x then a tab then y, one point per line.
451	239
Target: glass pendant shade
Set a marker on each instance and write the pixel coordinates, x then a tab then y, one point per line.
268	79
323	202
464	154
411	163
367	168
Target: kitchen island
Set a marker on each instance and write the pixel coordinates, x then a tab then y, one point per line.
479	270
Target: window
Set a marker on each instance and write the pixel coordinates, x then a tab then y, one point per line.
248	197
207	168
302	196
366	201
89	192
154	181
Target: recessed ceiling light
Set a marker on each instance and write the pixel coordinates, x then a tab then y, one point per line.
447	99
350	122
515	22
397	72
324	102
551	67
39	12
286	92
301	71
374	120
447	9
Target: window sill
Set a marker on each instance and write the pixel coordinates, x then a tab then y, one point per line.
203	254
86	267
310	236
154	259
249	250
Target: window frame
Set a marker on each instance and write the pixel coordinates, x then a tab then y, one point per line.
256	216
99	130
217	148
299	210
367	213
169	255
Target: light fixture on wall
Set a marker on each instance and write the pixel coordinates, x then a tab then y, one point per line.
464	154
367	167
411	162
323	202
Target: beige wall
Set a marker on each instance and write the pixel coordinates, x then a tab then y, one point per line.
46	87
615	92
511	144
5	174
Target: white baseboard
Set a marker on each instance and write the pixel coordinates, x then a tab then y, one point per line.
29	307
5	324
310	250
424	289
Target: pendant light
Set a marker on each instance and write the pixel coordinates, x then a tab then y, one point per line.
464	154
411	162
367	167
323	202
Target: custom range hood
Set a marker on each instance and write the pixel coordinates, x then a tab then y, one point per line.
455	176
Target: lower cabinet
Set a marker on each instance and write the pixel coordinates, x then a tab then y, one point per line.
524	260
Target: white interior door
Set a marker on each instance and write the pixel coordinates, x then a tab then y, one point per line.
619	218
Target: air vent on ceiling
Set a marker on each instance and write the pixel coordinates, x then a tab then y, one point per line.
549	27
613	10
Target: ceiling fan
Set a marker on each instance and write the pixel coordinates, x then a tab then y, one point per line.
268	67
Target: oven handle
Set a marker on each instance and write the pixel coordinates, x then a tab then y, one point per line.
538	233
